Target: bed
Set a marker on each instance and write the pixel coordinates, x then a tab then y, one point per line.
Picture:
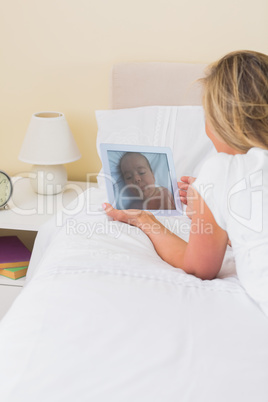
102	317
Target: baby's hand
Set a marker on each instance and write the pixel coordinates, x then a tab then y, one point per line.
185	193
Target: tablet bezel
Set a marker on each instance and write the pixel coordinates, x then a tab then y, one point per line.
106	147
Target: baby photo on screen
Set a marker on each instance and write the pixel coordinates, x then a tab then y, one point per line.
141	180
141	177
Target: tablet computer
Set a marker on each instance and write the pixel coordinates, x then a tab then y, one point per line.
141	177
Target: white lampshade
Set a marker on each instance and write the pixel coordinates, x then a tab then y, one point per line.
49	143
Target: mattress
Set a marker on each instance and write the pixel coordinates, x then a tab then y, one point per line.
103	318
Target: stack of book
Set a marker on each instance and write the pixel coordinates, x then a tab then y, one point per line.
14	257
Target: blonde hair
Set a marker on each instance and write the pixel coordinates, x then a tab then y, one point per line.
236	99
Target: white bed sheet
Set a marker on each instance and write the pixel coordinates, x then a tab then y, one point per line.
103	318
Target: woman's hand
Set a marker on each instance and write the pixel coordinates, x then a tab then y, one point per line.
186	193
168	246
142	219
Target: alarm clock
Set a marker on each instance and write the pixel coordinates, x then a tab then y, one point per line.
6	189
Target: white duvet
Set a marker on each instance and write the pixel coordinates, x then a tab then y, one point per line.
103	318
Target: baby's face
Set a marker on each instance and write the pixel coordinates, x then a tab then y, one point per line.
137	172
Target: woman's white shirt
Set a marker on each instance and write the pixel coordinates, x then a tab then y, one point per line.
235	188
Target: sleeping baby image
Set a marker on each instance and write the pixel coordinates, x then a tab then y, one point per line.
139	179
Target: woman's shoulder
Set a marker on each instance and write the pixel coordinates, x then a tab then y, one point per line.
256	154
214	167
242	165
219	158
221	163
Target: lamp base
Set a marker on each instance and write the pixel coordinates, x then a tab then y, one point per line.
48	179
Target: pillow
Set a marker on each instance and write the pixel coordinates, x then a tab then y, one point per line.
182	128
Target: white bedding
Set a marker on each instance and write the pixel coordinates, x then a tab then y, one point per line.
103	318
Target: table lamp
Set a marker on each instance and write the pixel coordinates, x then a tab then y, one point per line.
47	145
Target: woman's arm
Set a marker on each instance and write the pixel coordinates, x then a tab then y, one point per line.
207	242
202	256
185	185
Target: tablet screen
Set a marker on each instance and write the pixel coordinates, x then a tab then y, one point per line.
139	177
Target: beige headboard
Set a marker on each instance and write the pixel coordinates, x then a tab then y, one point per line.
148	84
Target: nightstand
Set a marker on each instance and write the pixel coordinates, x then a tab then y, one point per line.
26	212
9	290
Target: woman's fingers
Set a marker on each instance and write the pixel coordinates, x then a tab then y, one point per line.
191	180
127	216
112	212
183	200
183	186
185	179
